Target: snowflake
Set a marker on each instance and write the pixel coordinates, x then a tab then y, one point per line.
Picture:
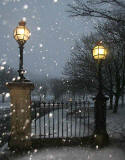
24	19
38	28
13	79
33	17
56	63
18	78
110	156
50	115
1	68
7	94
55	1
25	6
40	87
41	45
43	58
35	150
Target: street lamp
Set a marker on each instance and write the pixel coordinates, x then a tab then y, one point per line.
99	51
100	133
20	96
21	35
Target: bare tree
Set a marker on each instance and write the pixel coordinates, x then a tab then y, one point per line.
58	88
107	9
41	88
114	36
82	67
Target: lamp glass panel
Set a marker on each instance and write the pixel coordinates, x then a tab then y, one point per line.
99	52
21	34
20	30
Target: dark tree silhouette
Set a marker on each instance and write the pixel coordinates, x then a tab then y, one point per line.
82	68
58	88
107	9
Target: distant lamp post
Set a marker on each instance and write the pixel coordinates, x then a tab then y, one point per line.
21	35
100	133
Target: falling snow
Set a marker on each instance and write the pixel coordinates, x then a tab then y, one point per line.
25	6
24	19
7	95
69	153
55	1
38	28
52	40
1	67
41	45
54	29
112	152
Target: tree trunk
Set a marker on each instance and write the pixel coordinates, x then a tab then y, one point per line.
3	98
74	96
116	104
111	102
40	98
123	98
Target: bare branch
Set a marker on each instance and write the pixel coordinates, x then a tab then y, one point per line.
93	9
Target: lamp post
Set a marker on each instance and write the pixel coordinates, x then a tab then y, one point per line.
21	35
20	95
100	133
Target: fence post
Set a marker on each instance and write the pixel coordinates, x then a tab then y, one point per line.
20	95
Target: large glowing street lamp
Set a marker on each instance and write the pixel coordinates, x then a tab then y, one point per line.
20	96
21	35
100	133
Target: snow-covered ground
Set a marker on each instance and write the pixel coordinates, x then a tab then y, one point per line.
116	123
75	153
115	151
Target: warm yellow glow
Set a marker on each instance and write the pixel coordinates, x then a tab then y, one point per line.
21	33
99	52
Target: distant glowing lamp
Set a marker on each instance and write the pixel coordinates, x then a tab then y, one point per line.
99	51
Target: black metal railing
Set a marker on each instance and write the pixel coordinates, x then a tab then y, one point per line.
59	120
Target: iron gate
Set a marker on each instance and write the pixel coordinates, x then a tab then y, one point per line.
62	120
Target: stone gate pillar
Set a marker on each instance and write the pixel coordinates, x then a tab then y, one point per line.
20	95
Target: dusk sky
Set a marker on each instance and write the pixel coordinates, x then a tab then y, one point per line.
53	34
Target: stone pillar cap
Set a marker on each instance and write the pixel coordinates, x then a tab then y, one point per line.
28	84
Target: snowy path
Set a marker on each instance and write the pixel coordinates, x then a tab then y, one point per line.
76	153
116	123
